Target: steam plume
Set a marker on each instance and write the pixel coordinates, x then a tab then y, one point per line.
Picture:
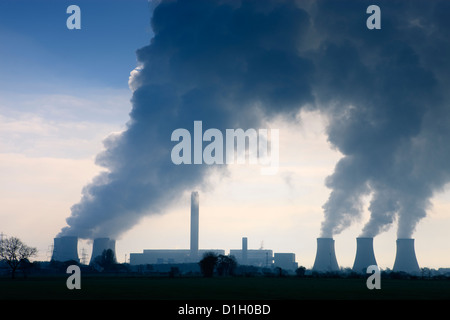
235	64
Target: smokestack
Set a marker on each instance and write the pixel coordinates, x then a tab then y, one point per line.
325	256
405	258
65	249
365	255
244	250
101	244
194	225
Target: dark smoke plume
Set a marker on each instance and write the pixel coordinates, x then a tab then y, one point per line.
236	64
229	65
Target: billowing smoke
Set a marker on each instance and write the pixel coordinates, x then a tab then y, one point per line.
230	65
384	92
236	64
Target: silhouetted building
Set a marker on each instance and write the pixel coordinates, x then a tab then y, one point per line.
163	256
258	257
285	261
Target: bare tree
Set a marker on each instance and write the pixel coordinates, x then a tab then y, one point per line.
14	252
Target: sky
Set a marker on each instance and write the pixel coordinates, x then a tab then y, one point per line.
362	116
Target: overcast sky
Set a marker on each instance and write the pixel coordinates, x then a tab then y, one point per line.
63	92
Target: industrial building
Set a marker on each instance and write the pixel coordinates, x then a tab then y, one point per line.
285	261
259	257
169	256
66	249
243	256
160	256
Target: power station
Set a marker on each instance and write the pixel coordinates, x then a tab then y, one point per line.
66	249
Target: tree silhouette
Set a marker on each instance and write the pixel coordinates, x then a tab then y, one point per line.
15	252
226	265
300	271
208	263
107	260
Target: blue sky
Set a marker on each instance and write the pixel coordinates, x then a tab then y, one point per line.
62	92
40	53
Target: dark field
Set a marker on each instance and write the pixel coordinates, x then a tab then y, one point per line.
221	288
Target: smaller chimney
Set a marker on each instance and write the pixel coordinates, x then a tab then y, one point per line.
244	251
194	226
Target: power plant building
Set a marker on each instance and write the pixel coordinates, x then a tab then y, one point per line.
285	261
163	256
255	257
244	256
66	248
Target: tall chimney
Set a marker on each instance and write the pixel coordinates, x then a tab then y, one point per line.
194	225
101	244
365	255
405	258
244	250
325	256
65	249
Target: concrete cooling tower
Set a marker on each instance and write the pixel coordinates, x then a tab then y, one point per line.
325	256
101	244
364	255
405	258
65	249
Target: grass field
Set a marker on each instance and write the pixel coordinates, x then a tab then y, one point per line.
221	288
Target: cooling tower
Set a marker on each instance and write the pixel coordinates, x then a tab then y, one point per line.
405	258
364	255
101	244
325	256
194	225
65	249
